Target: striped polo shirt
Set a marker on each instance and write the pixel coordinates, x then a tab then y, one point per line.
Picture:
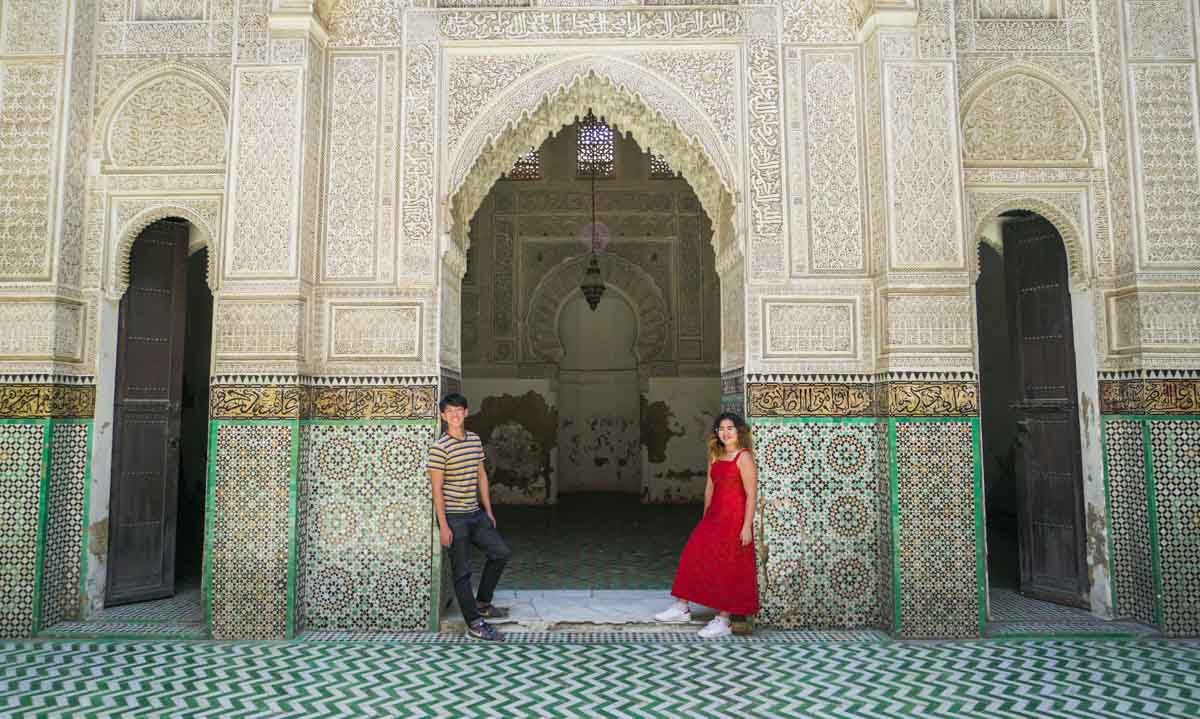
458	459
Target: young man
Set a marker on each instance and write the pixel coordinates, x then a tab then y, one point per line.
464	513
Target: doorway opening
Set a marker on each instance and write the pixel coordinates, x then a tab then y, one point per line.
159	460
593	418
1033	478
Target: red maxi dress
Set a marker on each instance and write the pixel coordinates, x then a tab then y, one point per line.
715	570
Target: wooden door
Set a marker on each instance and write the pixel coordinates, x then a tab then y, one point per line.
1050	477
145	473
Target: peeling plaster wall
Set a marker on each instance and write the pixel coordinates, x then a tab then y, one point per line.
517	420
677	414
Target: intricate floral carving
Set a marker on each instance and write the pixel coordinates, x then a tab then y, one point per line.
375	330
1061	209
33	27
809	327
704	23
170	122
1023	118
28	113
353	168
1117	163
171	9
924	174
264	216
1165	119
1016	9
42	328
926	322
136	214
259	328
834	159
1159	29
365	23
561	283
556	96
820	21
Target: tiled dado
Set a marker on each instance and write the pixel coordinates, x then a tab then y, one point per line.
919	548
318	509
45	441
1152	476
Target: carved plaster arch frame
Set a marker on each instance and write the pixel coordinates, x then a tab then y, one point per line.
997	75
1068	230
686	137
133	85
129	234
637	287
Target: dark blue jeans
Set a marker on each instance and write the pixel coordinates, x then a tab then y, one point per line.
475	529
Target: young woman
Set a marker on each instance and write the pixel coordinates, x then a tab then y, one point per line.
717	568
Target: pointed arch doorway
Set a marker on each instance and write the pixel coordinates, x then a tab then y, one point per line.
160	413
1037	542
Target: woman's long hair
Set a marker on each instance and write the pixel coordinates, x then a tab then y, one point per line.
715	447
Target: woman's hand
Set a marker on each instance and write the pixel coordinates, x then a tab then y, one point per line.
746	536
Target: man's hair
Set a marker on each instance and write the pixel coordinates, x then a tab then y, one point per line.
453	399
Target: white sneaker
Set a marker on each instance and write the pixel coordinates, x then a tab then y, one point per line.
718	627
675	615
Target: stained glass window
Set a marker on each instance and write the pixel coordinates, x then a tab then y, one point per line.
527	167
594	148
660	169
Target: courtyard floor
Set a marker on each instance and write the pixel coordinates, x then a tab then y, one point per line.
787	675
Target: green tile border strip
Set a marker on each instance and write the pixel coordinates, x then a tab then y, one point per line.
210	499
894	510
1143	421
1152	511
1108	525
293	533
43	518
980	555
87	504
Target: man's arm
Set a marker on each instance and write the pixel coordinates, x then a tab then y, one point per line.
485	493
436	478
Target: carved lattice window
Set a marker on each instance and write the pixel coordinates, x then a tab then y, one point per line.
594	148
660	169
527	167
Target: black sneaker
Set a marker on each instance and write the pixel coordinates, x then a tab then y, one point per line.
482	630
491	611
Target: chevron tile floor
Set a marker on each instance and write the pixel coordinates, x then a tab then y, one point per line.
1048	679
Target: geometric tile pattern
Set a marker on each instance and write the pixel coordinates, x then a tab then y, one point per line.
1014	615
249	512
20	494
177	617
1129	518
63	556
885	557
1175	449
1103	679
681	634
819	515
183	608
592	541
935	483
366	526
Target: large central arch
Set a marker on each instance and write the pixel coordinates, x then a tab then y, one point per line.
546	101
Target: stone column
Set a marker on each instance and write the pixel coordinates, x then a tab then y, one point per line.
261	324
47	395
925	381
1150	393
